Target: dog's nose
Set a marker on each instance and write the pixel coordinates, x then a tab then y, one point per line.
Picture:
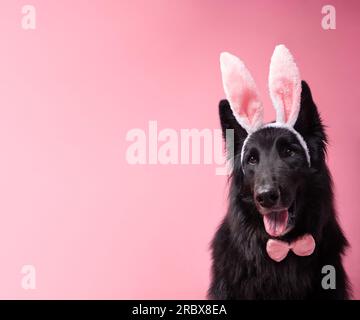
267	198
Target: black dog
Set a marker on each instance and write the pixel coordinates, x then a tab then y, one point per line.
273	157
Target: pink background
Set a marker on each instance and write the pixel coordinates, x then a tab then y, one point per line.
94	226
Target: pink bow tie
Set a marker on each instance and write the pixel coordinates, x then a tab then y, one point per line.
278	250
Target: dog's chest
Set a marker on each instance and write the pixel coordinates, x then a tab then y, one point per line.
267	279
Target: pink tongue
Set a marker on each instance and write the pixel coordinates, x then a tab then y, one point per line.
276	222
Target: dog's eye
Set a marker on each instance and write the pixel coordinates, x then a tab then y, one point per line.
288	152
252	160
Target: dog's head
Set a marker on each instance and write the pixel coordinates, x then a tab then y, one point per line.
271	162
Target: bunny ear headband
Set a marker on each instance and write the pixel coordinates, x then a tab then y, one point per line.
285	92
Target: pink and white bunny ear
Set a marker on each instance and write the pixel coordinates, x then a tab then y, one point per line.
284	86
241	92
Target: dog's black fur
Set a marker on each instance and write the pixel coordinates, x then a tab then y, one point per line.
241	267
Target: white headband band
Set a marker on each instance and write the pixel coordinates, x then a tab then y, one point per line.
283	126
285	92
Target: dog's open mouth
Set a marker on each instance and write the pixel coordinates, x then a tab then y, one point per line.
279	222
276	222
